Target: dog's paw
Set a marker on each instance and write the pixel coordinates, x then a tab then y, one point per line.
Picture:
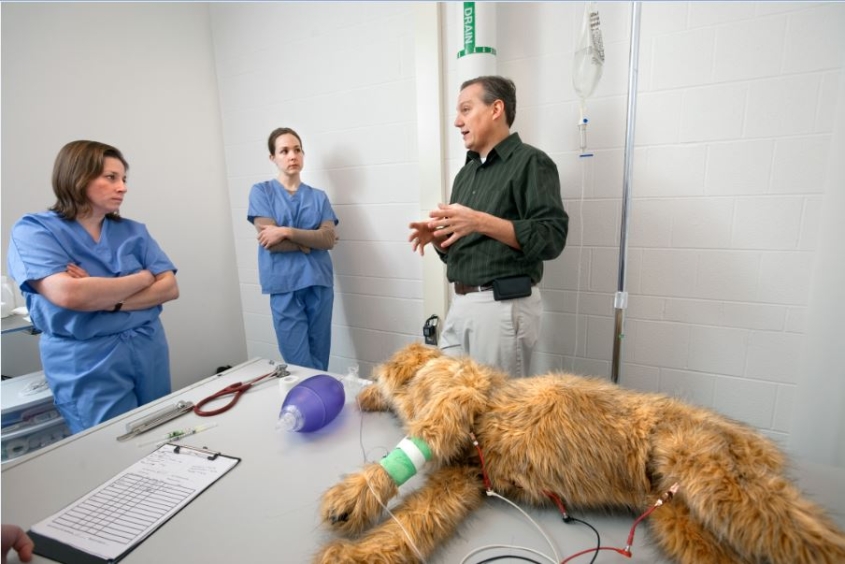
370	399
354	504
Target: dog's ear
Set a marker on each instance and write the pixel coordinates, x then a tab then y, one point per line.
403	365
446	397
391	377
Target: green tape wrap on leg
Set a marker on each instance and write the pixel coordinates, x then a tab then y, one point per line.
399	466
406	459
421	444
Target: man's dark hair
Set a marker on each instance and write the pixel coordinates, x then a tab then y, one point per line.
497	88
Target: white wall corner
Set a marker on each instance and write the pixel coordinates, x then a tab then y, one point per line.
432	183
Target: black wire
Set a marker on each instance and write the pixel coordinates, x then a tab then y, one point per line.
598	537
526	559
494	558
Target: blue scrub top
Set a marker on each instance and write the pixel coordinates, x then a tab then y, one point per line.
306	209
43	244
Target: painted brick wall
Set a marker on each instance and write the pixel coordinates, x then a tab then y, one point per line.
731	149
341	75
732	142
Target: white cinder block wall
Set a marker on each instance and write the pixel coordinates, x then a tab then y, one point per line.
732	138
342	76
732	134
139	76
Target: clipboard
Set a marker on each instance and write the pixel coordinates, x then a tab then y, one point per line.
110	521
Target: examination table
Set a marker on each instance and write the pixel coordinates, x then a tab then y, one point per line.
266	508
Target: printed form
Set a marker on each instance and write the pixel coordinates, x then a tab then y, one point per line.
115	517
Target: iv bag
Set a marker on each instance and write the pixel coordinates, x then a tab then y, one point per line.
589	54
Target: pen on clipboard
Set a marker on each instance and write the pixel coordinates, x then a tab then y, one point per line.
178	435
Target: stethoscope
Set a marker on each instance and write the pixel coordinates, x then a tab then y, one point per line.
236	390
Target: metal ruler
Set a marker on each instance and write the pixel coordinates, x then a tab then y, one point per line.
157	418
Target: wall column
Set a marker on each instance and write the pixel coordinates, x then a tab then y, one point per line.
432	184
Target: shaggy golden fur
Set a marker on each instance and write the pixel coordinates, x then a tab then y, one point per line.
594	444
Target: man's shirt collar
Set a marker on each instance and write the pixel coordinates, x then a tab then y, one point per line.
503	150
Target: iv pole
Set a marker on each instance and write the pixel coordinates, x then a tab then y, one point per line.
620	300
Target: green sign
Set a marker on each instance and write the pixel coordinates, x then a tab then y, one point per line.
469	33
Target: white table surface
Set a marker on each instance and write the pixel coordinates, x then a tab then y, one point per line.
265	509
15	322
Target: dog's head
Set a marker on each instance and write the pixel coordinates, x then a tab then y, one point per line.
393	376
400	368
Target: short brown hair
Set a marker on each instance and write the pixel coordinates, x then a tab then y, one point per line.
77	165
497	88
278	132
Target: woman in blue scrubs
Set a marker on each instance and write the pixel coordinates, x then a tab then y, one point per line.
295	224
94	283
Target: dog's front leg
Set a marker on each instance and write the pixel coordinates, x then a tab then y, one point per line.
356	502
370	399
426	519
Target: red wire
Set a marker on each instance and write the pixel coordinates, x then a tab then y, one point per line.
648	512
621	551
559	504
487	483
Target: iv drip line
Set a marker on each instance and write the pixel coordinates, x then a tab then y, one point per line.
580	259
587	67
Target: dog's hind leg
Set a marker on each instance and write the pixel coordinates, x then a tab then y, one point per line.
734	485
421	523
765	519
686	540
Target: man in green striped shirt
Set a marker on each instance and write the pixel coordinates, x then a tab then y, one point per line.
504	219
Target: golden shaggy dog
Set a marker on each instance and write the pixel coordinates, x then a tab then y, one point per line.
593	444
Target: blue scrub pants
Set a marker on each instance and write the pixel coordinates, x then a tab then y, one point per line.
97	379
303	322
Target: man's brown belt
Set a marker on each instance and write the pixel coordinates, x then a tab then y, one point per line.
464	289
